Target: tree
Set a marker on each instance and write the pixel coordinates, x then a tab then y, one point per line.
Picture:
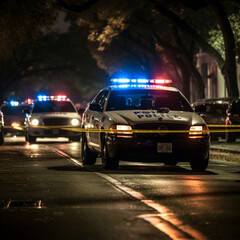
228	66
29	49
131	37
106	18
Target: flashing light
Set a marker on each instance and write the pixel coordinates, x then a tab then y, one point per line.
14	103
139	86
29	101
126	81
52	98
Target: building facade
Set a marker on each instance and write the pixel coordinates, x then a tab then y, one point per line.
215	86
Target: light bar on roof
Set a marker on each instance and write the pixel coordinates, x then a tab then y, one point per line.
52	98
139	86
120	81
14	103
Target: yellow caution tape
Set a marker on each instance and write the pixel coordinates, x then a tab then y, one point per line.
96	130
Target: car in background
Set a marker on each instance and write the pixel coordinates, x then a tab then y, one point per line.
14	116
143	120
233	118
213	111
52	116
223	111
1	128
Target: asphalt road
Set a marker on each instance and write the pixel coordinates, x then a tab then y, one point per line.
45	193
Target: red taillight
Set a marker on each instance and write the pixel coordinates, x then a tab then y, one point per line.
160	81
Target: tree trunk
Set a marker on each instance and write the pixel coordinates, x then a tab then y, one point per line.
229	70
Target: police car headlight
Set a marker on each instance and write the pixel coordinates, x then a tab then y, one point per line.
75	122
121	129
35	122
198	131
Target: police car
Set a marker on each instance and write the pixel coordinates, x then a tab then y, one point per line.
52	116
1	128
14	116
143	120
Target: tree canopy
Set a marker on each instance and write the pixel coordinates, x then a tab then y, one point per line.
147	37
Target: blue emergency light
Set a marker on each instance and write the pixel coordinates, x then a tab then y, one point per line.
14	103
139	82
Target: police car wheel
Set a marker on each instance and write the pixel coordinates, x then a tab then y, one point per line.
87	155
199	163
108	162
1	137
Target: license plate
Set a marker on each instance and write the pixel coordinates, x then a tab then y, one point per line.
164	147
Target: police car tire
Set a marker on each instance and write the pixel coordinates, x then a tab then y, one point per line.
199	163
87	155
1	137
107	162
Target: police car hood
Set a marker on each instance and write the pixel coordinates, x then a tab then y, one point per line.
56	115
133	117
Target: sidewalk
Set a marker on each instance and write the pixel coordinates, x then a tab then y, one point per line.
225	151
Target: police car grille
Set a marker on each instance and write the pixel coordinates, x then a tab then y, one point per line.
56	121
156	126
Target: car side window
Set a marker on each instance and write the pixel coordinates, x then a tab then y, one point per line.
101	98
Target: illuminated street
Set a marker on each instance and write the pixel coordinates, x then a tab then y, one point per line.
47	194
119	120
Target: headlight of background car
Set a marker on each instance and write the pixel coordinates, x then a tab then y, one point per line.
198	131
35	122
75	122
121	129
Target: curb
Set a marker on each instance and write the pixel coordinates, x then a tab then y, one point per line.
224	154
225	150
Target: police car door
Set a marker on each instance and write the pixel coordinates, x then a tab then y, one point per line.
95	120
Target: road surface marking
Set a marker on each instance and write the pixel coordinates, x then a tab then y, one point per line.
165	220
65	155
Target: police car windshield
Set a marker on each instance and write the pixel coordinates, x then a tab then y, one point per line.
133	99
53	106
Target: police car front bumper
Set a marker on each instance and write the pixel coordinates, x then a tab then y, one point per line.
146	149
53	132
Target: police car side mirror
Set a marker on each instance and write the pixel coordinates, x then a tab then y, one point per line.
95	107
